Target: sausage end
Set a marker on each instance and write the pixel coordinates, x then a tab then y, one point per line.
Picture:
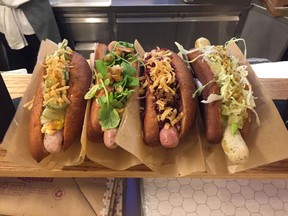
169	138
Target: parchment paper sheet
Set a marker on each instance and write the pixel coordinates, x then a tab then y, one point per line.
16	141
267	143
183	160
46	196
93	189
117	159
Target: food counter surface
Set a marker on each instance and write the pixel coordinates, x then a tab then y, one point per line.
173	3
276	88
127	3
137	6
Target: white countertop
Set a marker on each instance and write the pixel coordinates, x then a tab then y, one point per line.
80	3
271	70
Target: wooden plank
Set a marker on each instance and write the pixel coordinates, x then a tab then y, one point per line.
275	88
16	83
91	169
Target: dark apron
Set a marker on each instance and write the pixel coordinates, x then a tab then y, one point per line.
41	17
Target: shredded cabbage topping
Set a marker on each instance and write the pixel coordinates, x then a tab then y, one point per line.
55	85
236	93
163	84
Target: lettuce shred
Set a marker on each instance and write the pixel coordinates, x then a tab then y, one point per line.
236	93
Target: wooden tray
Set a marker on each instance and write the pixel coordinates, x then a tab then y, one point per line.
16	84
91	169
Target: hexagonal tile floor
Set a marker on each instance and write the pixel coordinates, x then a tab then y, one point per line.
215	197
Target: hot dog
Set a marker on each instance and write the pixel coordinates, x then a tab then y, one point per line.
58	107
228	97
168	108
116	69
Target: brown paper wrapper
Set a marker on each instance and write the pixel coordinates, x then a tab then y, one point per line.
186	159
117	159
267	142
16	141
94	190
44	196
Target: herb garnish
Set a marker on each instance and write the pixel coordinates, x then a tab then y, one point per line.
113	101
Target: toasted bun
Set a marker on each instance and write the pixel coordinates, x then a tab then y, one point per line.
79	82
212	113
187	89
94	130
36	146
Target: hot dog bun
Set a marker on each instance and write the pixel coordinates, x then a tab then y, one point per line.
212	110
36	145
94	131
169	110
79	83
116	69
228	97
70	115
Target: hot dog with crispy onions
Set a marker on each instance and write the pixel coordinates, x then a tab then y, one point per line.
227	96
58	107
116	69
168	109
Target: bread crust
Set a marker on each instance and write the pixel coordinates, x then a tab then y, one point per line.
247	125
187	88
101	51
79	83
94	130
36	146
212	113
150	125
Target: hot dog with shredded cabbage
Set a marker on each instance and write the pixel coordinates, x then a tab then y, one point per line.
227	96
